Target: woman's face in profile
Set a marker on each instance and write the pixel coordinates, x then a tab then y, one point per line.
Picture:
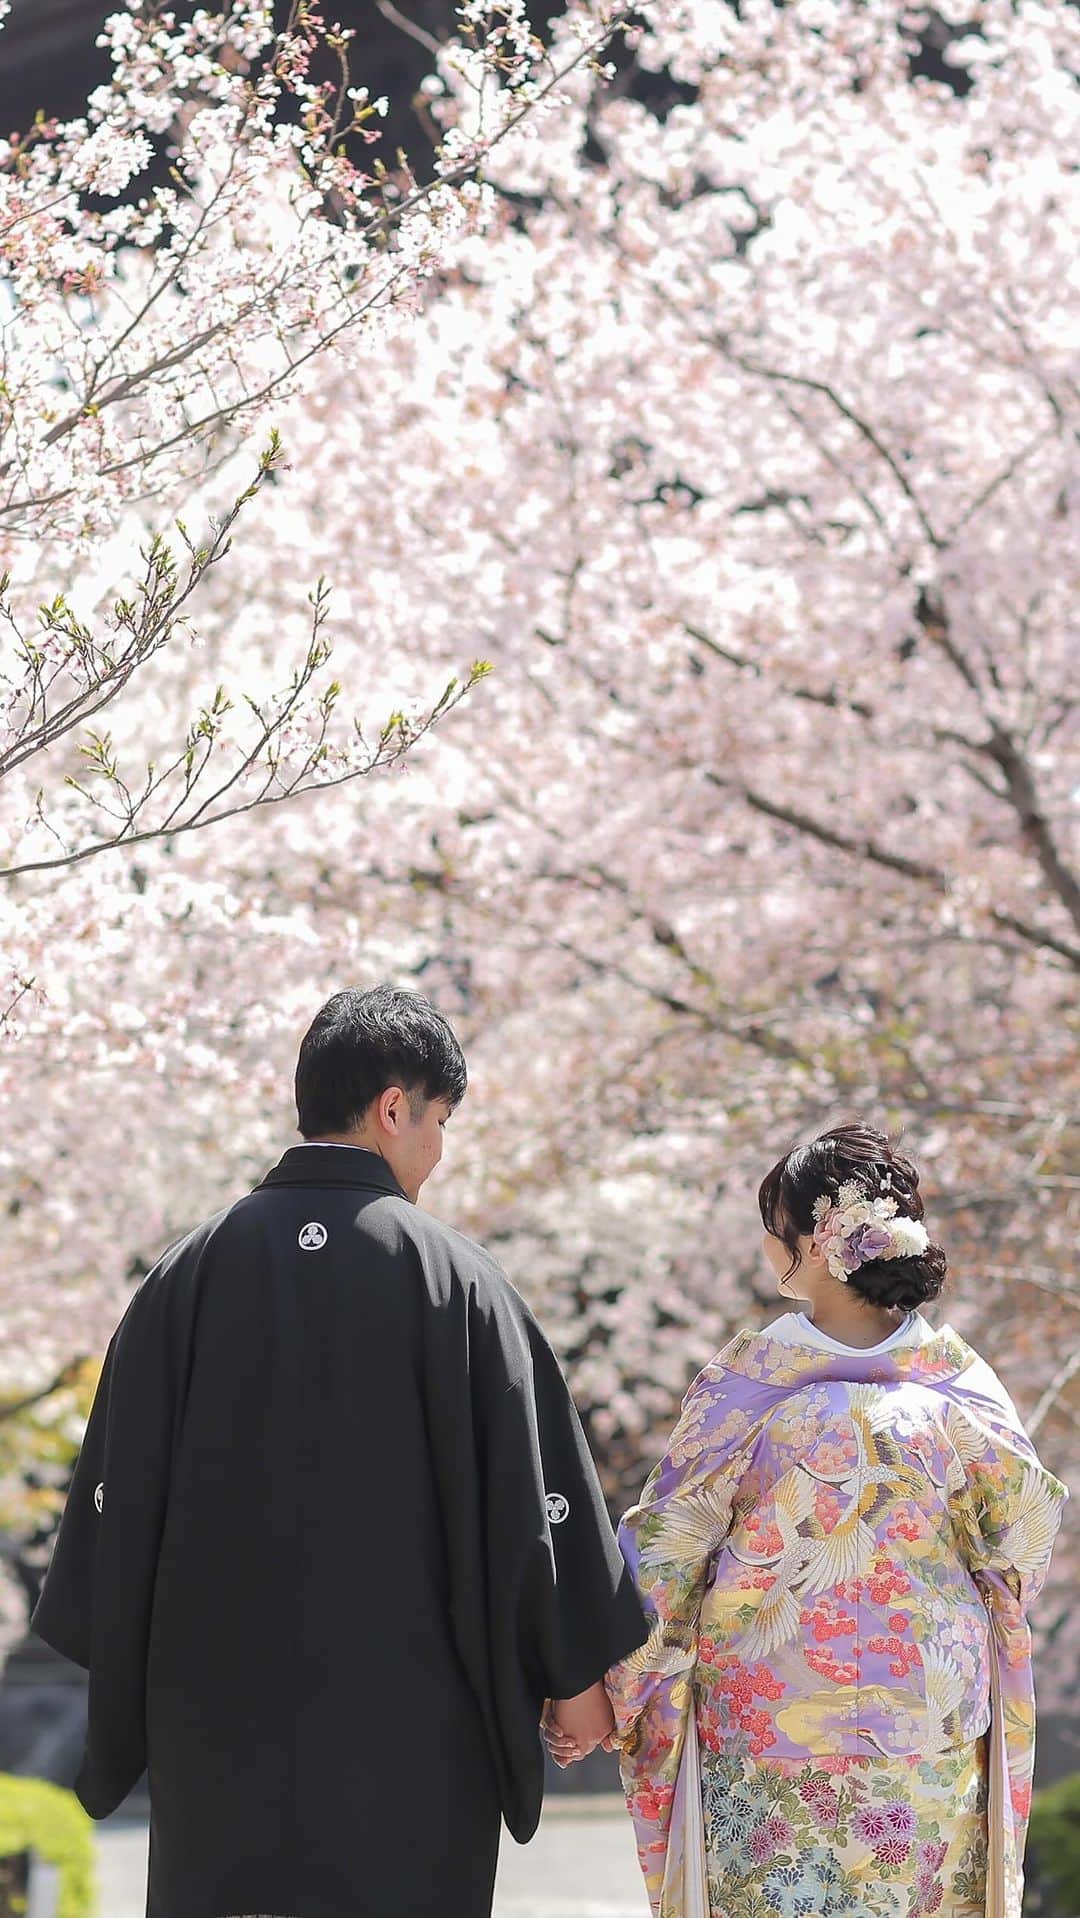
777	1256
778	1259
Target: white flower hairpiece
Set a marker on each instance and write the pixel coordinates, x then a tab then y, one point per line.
853	1229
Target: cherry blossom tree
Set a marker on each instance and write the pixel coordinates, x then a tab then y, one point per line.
748	452
742	443
147	333
151	330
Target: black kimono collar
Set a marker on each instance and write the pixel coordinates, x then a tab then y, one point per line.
333	1165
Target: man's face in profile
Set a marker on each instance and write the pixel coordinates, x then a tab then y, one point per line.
414	1149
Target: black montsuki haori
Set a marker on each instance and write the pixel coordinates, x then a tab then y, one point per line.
333	1537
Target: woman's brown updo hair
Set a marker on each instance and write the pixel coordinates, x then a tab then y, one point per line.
859	1154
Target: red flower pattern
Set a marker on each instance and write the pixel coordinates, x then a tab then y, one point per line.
904	1656
841	1671
826	1621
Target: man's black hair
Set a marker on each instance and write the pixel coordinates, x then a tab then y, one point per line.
362	1042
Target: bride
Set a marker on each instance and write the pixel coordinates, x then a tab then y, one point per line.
834	1714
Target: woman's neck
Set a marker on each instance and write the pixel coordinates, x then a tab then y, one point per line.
852	1321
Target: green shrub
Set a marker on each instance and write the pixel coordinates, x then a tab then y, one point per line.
41	1818
1054	1844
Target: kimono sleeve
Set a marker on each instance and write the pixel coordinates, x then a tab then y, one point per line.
541	1601
96	1600
668	1539
1008	1508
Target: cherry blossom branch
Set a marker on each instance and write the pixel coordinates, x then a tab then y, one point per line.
225	415
833	699
998	480
1018	788
744	1028
802	382
398	19
783	379
1052	1395
868	849
319	770
1001	748
1035	828
149	622
459	169
22	988
102	670
999	745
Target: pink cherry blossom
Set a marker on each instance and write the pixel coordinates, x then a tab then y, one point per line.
737	436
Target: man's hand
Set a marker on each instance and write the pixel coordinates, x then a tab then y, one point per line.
574	1727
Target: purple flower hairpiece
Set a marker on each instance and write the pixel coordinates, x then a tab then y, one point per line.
853	1230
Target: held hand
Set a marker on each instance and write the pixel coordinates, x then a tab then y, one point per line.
564	1749
574	1727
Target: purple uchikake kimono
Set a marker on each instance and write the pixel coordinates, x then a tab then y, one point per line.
834	1713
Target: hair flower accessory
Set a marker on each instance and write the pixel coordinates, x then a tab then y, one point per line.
854	1229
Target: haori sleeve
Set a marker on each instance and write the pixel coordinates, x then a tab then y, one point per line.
669	1538
562	1603
96	1602
540	1600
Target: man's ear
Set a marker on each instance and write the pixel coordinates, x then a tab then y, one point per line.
390	1108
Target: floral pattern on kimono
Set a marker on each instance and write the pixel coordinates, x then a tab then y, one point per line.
823	1553
848	1837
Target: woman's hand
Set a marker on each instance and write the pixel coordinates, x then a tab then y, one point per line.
574	1727
563	1748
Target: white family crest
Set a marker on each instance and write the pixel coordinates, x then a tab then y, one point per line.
99	1495
313	1236
558	1508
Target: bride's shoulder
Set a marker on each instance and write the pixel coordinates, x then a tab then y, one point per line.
724	1362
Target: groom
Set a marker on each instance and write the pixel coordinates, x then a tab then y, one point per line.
335	1535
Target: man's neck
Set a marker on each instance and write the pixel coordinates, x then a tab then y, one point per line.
351	1139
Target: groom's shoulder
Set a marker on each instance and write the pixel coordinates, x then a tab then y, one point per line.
468	1287
464	1261
456	1266
172	1283
190	1248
